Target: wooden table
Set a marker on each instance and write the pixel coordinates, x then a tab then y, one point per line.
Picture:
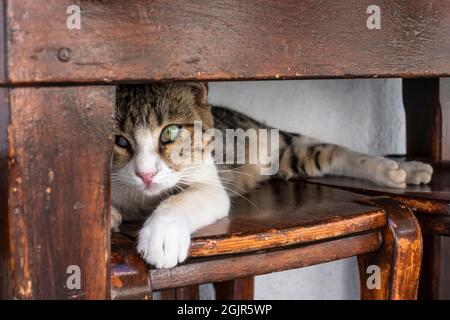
57	101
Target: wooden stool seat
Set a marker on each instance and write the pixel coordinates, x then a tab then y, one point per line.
280	214
279	226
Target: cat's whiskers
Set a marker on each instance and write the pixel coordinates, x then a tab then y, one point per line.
192	180
228	182
234	170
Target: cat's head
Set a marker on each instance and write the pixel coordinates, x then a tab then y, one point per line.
151	121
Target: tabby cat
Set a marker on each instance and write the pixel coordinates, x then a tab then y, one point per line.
152	121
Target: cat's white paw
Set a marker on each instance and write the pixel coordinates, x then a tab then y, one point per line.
116	219
388	173
164	241
417	172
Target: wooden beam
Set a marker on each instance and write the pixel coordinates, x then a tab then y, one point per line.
55	153
139	40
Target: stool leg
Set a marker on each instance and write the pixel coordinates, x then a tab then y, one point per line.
397	262
427	108
237	289
184	293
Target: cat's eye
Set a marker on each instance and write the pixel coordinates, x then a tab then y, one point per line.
170	133
122	142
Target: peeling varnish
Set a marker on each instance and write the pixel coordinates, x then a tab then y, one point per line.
78	205
50	175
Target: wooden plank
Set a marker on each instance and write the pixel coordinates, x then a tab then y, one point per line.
283	213
139	40
57	200
227	268
197	271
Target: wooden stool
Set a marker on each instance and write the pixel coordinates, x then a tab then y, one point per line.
57	100
283	225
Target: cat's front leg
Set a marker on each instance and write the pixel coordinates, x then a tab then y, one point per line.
165	237
416	172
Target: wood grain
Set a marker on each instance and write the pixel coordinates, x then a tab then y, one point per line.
237	289
140	40
434	225
184	293
435	275
57	199
129	275
279	214
202	270
399	257
231	267
427	106
3	53
433	198
315	224
5	276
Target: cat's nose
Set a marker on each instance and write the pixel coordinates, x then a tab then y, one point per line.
147	177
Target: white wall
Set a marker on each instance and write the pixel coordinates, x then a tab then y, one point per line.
366	115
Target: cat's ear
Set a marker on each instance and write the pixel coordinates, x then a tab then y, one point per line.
200	91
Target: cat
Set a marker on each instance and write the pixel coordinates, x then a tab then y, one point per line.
175	198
